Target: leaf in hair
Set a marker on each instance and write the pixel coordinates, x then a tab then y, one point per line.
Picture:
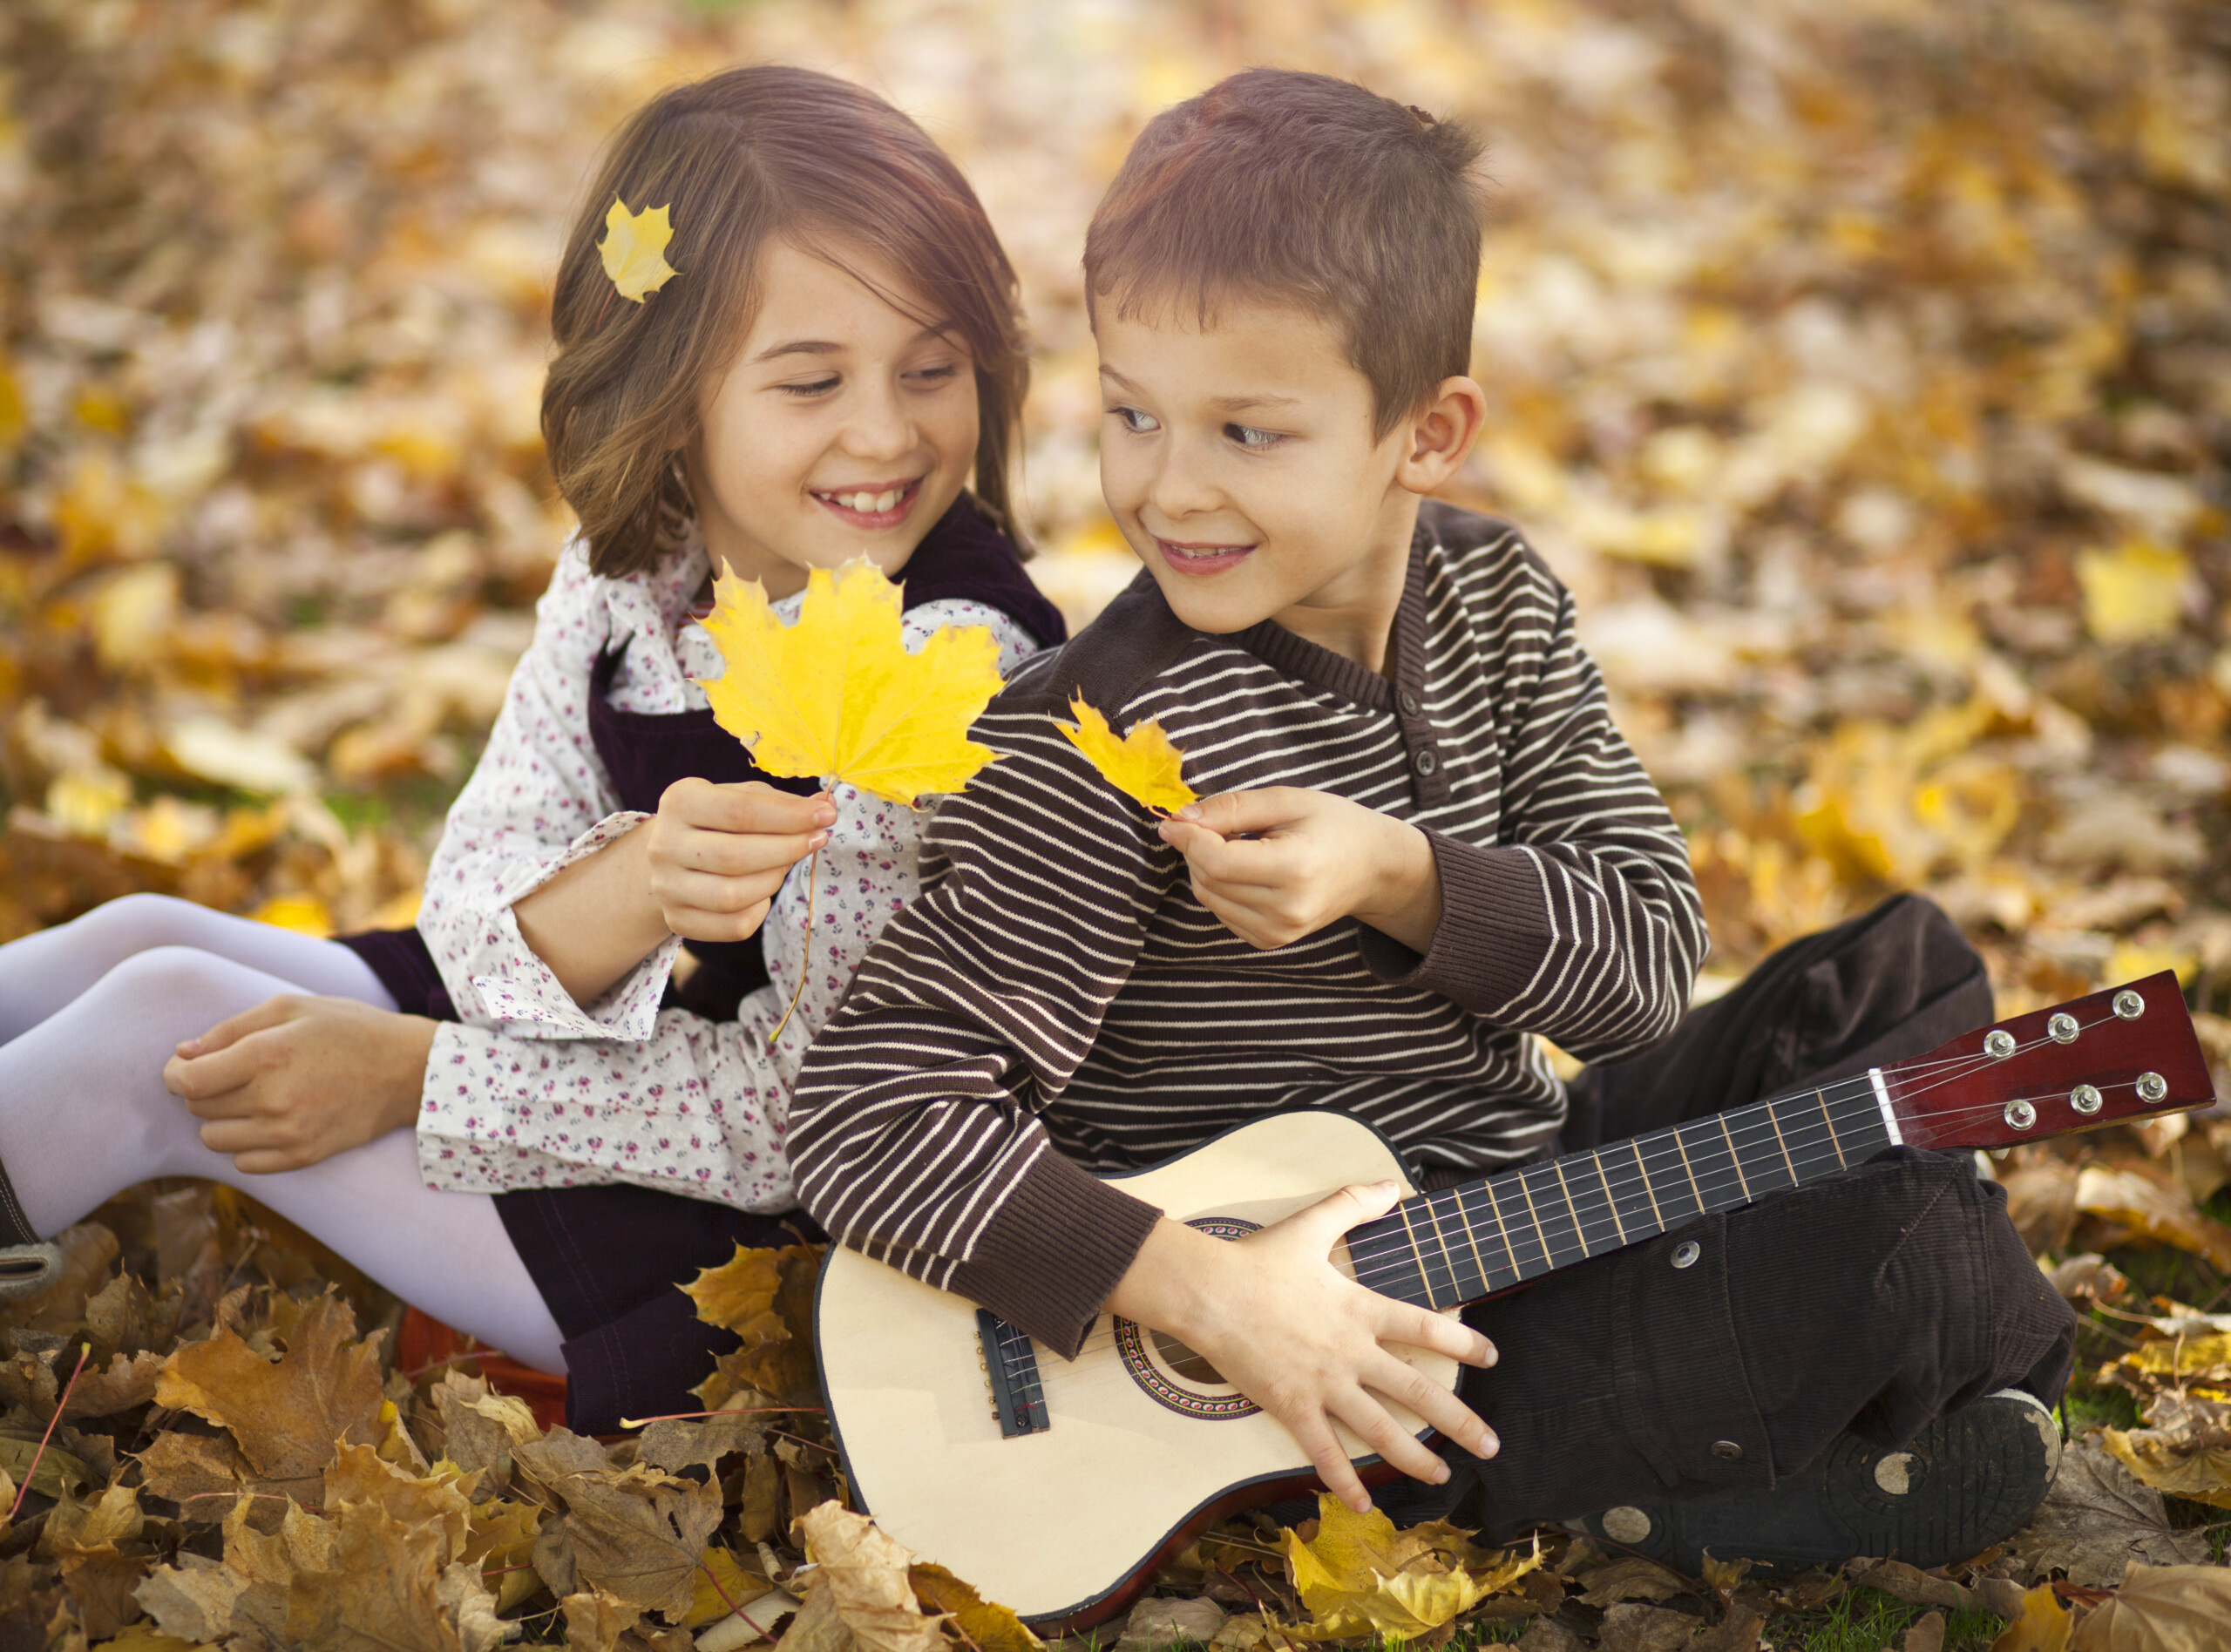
635	249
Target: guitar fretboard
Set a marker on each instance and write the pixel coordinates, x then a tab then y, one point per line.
1471	1240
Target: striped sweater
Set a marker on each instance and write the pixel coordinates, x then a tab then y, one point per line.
1058	1001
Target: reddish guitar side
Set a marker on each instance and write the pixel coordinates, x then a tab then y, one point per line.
962	1440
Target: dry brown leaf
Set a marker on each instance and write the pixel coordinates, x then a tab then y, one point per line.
288	1417
359	1474
595	1621
766	1297
2096	1522
986	1626
862	1575
634	1533
2160	1609
674	1443
2187	1453
2159	1210
2041	1202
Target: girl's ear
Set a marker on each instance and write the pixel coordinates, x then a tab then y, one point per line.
1441	434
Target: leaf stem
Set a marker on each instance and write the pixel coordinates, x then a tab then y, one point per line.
60	1405
805	951
733	1410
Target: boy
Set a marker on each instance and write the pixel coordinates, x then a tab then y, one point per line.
1421	842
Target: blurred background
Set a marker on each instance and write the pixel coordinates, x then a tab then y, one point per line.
1864	367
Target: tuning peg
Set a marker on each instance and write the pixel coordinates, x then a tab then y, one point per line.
1998	1043
2062	1029
2129	1005
2152	1088
2021	1114
2085	1099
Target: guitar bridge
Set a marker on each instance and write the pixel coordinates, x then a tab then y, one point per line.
1011	1368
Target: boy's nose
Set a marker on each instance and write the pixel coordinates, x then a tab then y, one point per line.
1180	489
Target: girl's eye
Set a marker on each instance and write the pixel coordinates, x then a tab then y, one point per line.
1248	437
1136	423
818	387
937	374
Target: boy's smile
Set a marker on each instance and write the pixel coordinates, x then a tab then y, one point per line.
1239	460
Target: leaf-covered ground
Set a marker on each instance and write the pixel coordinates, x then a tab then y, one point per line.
1865	369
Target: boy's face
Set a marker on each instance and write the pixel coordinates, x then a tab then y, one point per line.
1239	460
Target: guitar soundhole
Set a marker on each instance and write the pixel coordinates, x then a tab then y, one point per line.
1176	1376
1184	1363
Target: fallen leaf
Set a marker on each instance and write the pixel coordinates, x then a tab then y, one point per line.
634	249
674	1444
1632	1578
1358	1576
285	1417
595	1621
634	1533
2187	1453
2159	1212
2043	1626
2096	1520
2160	1609
1632	1627
2133	593
359	1474
863	1575
2175	1361
838	697
766	1297
722	1587
986	1626
1142	765
2041	1202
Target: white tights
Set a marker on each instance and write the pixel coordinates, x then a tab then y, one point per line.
90	1012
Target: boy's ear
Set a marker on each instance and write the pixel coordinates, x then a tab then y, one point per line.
1441	433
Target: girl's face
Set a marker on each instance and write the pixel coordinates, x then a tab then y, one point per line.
843	428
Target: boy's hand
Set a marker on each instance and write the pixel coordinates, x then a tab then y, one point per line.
1305	1342
1283	862
715	855
296	1080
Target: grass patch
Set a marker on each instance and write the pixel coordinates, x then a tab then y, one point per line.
1867	1621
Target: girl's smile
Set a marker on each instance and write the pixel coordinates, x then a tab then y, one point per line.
873	505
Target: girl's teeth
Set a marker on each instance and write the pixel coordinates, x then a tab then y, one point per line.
867	503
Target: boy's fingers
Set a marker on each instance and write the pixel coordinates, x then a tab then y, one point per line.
1336	1212
1316	1436
1246	812
1451	1417
1370	1422
1421	1328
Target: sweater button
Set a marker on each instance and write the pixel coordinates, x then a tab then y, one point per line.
1409	701
1727	1451
1425	762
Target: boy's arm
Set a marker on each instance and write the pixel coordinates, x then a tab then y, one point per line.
914	1134
1583	923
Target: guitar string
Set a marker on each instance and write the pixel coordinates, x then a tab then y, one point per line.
1420	1262
1756	1120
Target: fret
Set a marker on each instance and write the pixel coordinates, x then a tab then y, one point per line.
1772	1110
1619	1222
1425	1268
1643	1170
1755	1138
1735	1158
1448	1235
1579	1227
1480	1263
1710	1160
1688	1170
1381	1256
1523	1235
1560	1236
1502	1231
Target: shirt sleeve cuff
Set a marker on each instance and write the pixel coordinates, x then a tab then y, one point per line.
1494	934
1054	1250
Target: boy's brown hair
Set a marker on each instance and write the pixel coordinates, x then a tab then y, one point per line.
1305	190
740	157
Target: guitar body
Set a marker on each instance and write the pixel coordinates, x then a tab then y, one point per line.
1053	1485
1140	1449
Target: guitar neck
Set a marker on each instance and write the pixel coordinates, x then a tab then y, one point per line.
1462	1243
2124	1052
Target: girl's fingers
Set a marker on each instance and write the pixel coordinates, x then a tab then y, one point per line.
709	892
1431	1403
746	853
208	1079
751	807
701	923
230	1030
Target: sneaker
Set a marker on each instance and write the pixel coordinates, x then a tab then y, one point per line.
26	1266
1965	1482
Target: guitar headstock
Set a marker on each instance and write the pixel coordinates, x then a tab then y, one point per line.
2123	1053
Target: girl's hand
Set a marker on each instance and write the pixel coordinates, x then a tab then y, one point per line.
296	1080
1305	1342
717	855
1283	862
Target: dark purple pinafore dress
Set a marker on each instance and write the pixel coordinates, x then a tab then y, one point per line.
608	1258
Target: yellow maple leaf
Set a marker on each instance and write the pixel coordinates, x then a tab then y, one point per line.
837	697
1360	1577
635	249
1143	764
2134	592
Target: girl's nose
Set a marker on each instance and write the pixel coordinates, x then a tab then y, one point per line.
879	427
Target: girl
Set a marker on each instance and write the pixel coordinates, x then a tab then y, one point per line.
556	1097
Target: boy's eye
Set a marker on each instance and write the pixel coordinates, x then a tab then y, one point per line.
1136	423
1248	437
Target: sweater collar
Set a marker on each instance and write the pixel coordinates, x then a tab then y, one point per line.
1401	684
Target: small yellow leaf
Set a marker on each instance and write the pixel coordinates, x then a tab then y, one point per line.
722	1586
635	249
984	1624
1141	765
838	697
2043	1626
1358	1576
2132	593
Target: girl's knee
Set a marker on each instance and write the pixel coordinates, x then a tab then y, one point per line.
134	924
183	983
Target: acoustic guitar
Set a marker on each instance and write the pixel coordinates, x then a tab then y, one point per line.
1057	1487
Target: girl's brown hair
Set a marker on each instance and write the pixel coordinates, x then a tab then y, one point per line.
743	156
